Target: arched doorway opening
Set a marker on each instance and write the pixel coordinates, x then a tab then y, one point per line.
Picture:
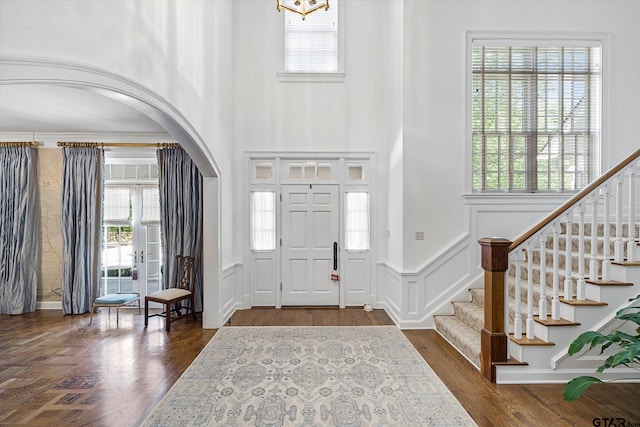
47	73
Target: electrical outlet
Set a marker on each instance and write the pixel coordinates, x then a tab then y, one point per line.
419	235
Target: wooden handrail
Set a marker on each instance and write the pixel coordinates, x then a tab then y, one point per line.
574	200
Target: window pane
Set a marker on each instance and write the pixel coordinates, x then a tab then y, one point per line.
150	204
357	223
535	117
311	45
117	204
263	221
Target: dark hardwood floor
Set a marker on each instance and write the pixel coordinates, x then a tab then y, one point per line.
57	370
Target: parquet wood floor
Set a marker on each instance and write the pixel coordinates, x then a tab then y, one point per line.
57	370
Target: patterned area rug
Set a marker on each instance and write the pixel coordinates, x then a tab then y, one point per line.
309	376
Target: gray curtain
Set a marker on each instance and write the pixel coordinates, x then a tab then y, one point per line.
19	230
180	213
82	192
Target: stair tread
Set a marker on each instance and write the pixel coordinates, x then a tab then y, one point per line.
627	263
586	302
460	335
609	282
552	322
526	341
470	313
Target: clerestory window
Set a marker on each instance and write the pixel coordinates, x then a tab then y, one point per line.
535	115
313	47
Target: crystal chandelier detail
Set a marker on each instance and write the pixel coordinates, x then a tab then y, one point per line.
302	7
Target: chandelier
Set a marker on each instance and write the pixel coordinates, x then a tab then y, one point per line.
302	7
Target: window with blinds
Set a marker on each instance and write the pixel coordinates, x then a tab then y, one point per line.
535	116
117	205
150	205
311	45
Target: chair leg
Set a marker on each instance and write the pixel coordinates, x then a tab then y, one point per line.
146	312
193	307
93	307
168	318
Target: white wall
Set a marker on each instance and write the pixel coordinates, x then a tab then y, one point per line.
435	96
351	116
179	50
395	137
404	98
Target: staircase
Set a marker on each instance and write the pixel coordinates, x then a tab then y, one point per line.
462	328
561	280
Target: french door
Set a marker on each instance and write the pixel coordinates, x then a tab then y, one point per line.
310	236
131	245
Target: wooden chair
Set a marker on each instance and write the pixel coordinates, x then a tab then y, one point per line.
172	298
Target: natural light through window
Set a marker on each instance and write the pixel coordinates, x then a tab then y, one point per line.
150	204
535	115
117	204
357	221
263	221
311	45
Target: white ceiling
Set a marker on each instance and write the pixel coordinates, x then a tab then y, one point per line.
48	108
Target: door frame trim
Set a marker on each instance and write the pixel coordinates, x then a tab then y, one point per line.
279	160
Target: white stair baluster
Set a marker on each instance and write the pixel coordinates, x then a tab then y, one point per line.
580	281
529	323
606	234
555	300
593	264
568	283
632	247
507	300
619	246
542	303
517	321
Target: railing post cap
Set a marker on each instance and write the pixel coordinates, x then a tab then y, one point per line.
494	241
495	253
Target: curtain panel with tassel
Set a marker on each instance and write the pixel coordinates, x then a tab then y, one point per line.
82	193
180	213
19	230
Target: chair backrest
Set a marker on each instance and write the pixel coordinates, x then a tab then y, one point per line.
186	272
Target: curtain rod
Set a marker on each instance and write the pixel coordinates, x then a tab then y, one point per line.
159	145
19	144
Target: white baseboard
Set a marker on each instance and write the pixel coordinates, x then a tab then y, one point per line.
48	305
517	375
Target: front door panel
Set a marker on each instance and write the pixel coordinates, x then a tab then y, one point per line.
310	221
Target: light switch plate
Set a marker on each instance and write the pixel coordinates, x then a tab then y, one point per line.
419	235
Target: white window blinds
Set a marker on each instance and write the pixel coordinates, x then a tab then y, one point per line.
150	204
357	221
311	45
263	221
117	205
535	116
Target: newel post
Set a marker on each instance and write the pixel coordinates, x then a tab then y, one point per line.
493	343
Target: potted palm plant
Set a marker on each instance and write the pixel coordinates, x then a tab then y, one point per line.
628	354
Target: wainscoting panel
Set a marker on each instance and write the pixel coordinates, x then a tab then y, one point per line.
263	278
357	278
231	290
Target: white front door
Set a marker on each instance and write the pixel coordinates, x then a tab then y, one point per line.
310	235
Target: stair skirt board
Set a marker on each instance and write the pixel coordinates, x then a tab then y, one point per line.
524	375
